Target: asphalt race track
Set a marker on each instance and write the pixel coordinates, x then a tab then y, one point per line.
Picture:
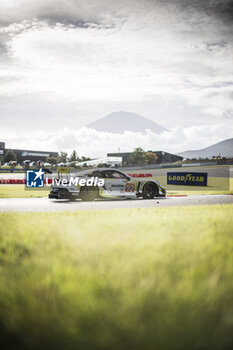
46	205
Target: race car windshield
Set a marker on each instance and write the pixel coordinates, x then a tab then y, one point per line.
113	175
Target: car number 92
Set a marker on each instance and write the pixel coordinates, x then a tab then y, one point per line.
129	187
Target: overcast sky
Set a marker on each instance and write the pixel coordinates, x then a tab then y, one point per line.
66	63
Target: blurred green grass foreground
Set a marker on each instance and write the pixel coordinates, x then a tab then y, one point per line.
117	279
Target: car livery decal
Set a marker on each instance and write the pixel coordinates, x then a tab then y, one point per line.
129	187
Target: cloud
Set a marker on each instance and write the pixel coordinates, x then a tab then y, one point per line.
219	9
62	11
78	12
100	54
97	64
100	143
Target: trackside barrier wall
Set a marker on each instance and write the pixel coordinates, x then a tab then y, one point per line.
17	181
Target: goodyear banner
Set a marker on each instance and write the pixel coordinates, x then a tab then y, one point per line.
187	179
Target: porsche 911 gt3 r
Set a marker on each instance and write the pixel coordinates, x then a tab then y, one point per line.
116	185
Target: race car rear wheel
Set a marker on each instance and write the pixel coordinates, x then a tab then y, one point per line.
150	190
88	193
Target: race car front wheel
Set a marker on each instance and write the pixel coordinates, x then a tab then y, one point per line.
89	193
150	190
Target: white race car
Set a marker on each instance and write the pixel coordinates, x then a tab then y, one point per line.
117	185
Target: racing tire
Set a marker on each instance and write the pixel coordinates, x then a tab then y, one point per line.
88	193
150	190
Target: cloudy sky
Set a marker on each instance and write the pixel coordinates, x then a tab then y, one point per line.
66	63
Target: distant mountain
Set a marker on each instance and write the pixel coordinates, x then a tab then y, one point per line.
118	122
224	148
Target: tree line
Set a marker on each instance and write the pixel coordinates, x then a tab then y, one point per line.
63	157
137	157
141	157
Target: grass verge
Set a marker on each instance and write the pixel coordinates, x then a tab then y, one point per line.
18	191
132	279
